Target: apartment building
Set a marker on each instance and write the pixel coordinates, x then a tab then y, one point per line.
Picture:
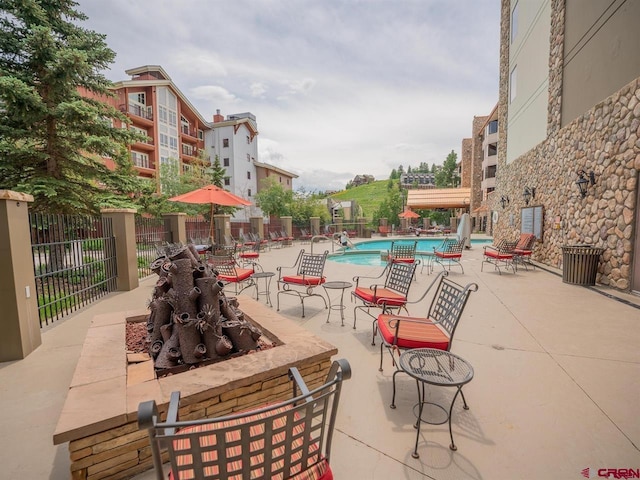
179	137
569	117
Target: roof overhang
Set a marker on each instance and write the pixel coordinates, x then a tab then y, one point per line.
432	198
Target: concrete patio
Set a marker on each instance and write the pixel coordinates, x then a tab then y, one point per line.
556	387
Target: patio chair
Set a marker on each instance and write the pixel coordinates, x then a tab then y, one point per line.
435	330
450	251
230	272
289	439
524	249
392	294
306	274
286	238
501	254
305	236
248	257
404	252
276	239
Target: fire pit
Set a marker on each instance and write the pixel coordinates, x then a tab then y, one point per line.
99	418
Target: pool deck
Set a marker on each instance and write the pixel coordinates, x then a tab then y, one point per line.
555	391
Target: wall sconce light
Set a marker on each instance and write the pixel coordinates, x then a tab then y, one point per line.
584	179
504	201
528	194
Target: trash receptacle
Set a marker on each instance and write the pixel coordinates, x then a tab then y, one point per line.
580	264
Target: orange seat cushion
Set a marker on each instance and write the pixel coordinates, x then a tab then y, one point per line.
303	280
413	332
447	255
522	252
241	275
499	256
249	255
402	260
381	296
233	464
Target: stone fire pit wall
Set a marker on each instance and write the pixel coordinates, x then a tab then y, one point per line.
99	418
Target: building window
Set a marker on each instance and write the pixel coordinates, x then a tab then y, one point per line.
173	118
513	79
162	111
492	127
173	143
140	159
225	142
248	140
248	175
287	181
514	23
200	135
248	192
280	179
164	140
227	181
225	162
492	149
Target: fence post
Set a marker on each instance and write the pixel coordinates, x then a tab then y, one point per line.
257	226
221	228
315	225
175	225
19	320
124	231
287	226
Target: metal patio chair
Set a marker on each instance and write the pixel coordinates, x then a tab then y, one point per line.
289	439
230	272
435	330
450	251
392	294
524	249
403	252
305	275
501	254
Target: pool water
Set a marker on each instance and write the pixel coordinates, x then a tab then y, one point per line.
368	252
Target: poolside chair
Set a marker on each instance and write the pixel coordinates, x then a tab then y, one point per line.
287	239
289	439
403	252
276	239
248	257
392	294
305	236
524	249
450	251
230	272
435	330
501	254
305	275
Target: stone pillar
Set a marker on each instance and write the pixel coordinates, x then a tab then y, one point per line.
384	230
175	226
287	225
18	296
124	230
221	228
426	223
257	226
360	228
404	224
315	225
338	222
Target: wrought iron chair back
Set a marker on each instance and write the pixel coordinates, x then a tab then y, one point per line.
277	441
403	252
230	272
501	254
450	251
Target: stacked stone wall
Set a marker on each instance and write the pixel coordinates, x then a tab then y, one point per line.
604	140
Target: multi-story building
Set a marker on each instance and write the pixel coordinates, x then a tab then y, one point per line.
178	136
417	180
569	116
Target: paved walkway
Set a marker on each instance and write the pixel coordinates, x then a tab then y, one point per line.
556	387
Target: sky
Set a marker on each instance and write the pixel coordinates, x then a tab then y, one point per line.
339	87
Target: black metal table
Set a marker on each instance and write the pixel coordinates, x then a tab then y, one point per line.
267	285
336	286
439	368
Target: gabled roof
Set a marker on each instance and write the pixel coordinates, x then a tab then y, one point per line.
429	199
274	169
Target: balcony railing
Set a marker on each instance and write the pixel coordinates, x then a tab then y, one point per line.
187	131
141	111
139	160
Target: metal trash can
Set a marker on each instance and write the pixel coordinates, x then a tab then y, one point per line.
580	264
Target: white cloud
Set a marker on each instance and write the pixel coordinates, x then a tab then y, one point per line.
212	93
258	89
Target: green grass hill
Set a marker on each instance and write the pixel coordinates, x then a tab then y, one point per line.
368	196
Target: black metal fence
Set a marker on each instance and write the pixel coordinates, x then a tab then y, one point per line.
198	230
150	235
74	262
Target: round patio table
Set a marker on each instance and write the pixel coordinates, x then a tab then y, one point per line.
439	368
267	285
336	286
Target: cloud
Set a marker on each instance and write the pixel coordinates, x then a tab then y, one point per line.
212	93
257	89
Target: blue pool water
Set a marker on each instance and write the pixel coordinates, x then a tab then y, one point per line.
368	252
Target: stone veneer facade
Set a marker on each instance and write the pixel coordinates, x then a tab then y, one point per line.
604	139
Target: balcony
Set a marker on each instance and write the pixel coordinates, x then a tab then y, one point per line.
189	132
143	113
140	160
147	144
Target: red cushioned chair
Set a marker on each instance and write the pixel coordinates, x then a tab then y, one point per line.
449	252
301	278
403	252
435	330
390	295
249	257
287	440
230	272
524	249
502	254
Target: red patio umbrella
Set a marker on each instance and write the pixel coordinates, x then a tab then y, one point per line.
409	214
212	195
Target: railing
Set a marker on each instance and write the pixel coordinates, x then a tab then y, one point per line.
198	230
140	111
74	262
150	235
140	160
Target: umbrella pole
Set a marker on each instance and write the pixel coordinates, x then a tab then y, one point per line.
211	226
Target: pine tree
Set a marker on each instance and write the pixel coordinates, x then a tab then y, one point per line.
447	175
54	128
217	173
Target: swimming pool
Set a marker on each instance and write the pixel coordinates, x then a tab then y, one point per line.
368	252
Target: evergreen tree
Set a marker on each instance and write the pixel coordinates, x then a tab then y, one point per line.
217	173
447	177
54	128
